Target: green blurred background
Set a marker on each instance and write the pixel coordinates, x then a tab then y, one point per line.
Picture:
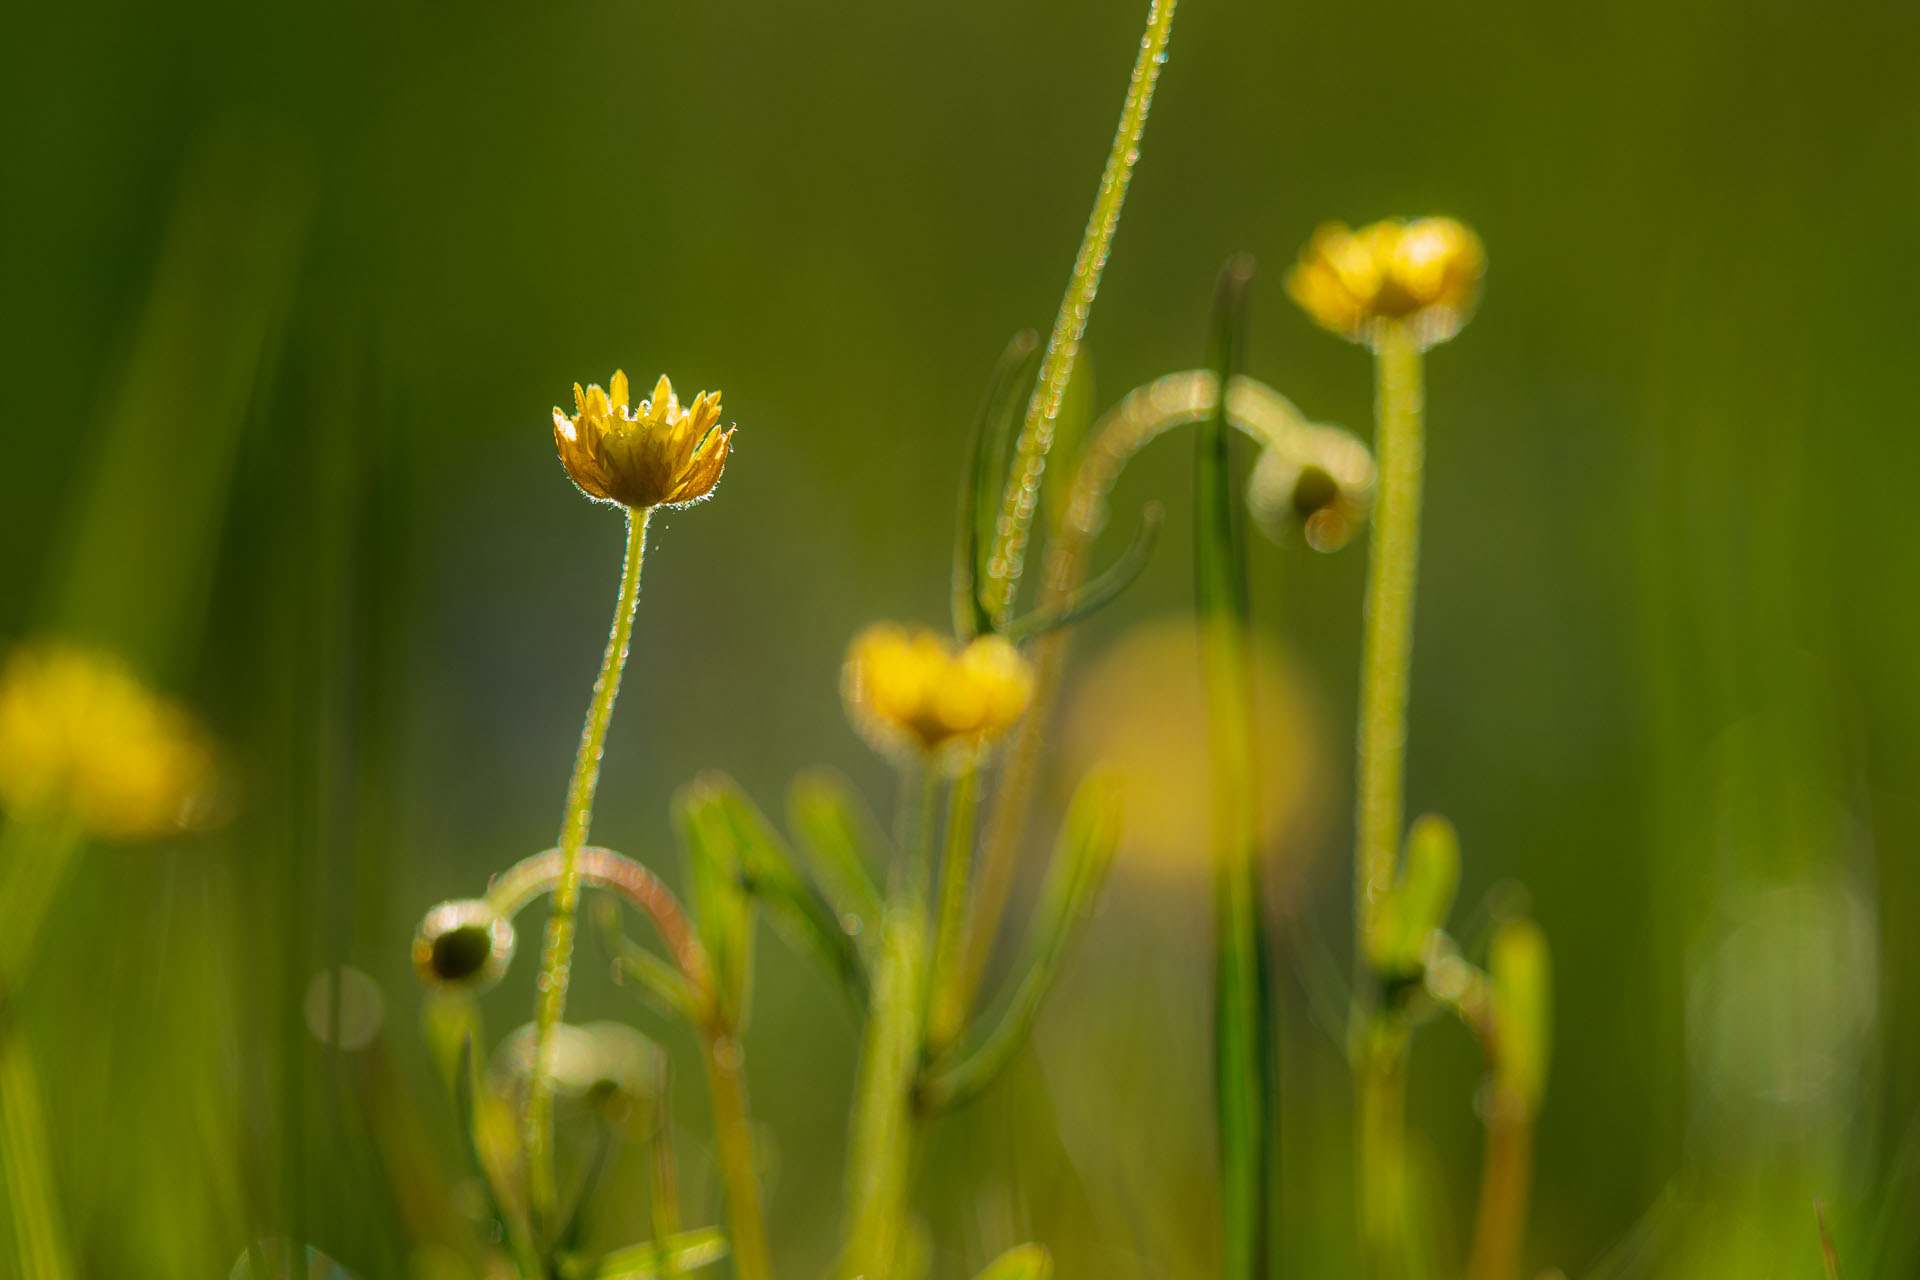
286	295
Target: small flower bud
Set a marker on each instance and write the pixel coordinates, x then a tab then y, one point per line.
1317	485
1521	973
464	946
1419	901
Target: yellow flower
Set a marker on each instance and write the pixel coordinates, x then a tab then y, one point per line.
909	691
1423	273
656	455
82	741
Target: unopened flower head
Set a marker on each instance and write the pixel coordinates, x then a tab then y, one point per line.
464	946
656	454
910	692
1422	273
1316	485
82	741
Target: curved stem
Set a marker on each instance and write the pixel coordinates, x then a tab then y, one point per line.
1142	416
733	1148
513	889
1063	345
556	959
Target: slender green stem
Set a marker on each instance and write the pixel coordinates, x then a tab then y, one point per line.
1393	554
1005	564
944	1009
1242	1028
40	1239
1386	660
880	1142
556	959
733	1146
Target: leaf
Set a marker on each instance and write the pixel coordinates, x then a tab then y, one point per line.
840	842
979	503
663	985
1081	857
797	909
1022	1262
1101	590
722	911
1243	1031
685	1252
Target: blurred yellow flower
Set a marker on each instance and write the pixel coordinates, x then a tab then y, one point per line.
910	691
82	741
1423	273
1139	710
656	455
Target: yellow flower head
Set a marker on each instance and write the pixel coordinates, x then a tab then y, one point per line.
909	691
1423	273
82	741
655	455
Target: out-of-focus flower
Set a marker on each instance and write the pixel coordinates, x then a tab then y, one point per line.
1317	486
656	455
464	945
1140	709
83	741
909	691
1423	273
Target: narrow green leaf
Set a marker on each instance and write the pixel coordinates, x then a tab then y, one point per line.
1022	1262
722	910
840	841
1069	432
663	985
986	472
685	1252
768	872
1081	857
1102	589
1242	1017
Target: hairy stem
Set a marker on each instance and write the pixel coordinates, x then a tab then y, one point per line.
556	960
1005	564
880	1145
733	1147
1385	667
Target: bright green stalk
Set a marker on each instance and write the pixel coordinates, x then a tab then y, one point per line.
1386	660
40	1239
880	1144
1063	345
1242	1026
1393	553
733	1146
944	1000
556	959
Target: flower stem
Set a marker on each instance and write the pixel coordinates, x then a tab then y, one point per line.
880	1143
733	1146
1393	554
25	1168
945	1002
1504	1178
1386	659
1063	345
556	959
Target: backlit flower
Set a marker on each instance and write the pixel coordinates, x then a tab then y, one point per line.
657	454
910	691
82	741
1423	273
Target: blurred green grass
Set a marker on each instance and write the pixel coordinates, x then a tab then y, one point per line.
1666	626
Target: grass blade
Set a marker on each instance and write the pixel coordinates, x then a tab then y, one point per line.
1022	1262
1242	1027
840	841
1088	838
980	490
